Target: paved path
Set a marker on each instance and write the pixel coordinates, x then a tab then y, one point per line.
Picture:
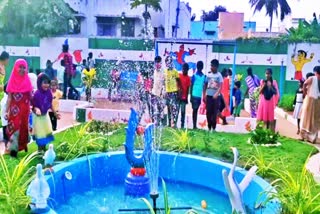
287	129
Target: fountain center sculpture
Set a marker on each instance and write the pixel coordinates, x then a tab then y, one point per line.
137	182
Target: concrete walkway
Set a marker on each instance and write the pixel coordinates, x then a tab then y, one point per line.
288	129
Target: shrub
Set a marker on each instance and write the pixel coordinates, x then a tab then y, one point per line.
262	136
101	127
286	102
258	159
81	144
178	140
295	191
14	184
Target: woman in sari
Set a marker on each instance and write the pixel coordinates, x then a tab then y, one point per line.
18	107
310	117
252	82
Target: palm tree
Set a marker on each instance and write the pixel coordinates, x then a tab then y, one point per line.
272	7
154	4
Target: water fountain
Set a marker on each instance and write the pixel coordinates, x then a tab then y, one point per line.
137	183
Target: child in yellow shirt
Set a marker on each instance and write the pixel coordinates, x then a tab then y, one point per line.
56	94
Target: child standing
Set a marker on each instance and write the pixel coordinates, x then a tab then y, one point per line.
61	75
184	85
56	96
4	120
42	102
171	76
157	93
197	84
238	98
297	103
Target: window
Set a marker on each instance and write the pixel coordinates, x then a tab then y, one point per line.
127	27
106	26
158	32
173	30
74	26
155	32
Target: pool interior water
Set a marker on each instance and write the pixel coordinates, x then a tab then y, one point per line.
111	198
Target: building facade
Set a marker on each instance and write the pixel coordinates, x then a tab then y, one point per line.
115	18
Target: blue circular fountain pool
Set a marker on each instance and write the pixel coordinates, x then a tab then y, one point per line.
95	184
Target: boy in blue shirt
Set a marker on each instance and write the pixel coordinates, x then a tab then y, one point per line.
238	98
197	84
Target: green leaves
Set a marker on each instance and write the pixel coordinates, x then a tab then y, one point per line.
271	8
305	32
14	183
178	140
41	18
286	102
297	192
263	136
153	4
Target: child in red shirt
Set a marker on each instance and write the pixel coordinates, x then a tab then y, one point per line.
184	85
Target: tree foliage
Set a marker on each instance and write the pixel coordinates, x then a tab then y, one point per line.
33	17
213	15
272	7
305	32
153	4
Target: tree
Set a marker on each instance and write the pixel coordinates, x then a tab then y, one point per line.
213	15
304	32
41	18
272	7
153	4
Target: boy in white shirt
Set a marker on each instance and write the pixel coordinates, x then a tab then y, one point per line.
158	93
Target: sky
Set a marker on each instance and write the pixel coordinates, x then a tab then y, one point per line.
299	9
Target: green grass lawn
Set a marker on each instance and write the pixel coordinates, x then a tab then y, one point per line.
291	155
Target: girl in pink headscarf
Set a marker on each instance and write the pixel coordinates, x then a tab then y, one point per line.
18	107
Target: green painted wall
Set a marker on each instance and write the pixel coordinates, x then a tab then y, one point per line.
258	47
7	40
251	47
290	87
116	44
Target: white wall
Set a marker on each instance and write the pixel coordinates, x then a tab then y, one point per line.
115	8
184	21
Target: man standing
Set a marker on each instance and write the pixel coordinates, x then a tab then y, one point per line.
52	73
211	93
171	82
69	71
